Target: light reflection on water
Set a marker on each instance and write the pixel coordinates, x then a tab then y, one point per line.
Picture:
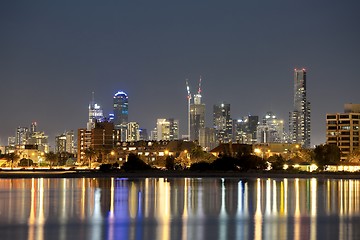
178	208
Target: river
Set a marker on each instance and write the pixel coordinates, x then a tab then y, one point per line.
179	208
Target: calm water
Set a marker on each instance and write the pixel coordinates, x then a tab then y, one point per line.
200	209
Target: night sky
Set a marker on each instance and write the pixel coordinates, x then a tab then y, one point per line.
53	54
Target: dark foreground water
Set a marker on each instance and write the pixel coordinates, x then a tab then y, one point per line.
179	208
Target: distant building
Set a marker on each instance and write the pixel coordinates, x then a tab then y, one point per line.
83	143
197	117
299	118
271	129
22	135
95	114
245	129
121	113
133	132
223	123
65	142
167	129
207	138
143	134
343	129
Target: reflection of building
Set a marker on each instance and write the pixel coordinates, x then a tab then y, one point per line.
299	122
342	130
271	130
223	122
167	129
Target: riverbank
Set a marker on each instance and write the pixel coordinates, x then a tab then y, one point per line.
170	174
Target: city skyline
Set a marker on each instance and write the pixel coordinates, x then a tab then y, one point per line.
54	55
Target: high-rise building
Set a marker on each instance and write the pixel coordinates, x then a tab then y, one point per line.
65	142
271	129
167	129
343	130
22	135
143	134
223	123
95	113
197	116
121	113
299	118
245	129
133	132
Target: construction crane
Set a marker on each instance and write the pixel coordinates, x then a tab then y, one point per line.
188	98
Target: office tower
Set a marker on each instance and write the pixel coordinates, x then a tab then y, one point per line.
143	134
133	132
299	118
33	127
207	138
22	135
65	142
121	113
245	129
40	140
167	129
103	136
223	123
343	130
95	113
271	129
197	116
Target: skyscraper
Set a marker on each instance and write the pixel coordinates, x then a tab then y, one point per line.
167	129
197	116
95	113
271	130
121	113
245	129
133	132
299	118
223	122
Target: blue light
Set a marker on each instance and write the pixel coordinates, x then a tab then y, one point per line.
120	93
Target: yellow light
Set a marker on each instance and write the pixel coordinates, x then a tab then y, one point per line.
112	153
166	152
257	150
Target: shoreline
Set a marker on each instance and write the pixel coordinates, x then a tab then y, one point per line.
8	174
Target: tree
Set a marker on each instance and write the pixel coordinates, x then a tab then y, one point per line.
25	162
135	163
90	154
354	156
225	163
170	163
12	157
52	158
251	162
326	154
277	162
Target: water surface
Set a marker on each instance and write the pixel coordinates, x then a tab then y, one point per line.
179	208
